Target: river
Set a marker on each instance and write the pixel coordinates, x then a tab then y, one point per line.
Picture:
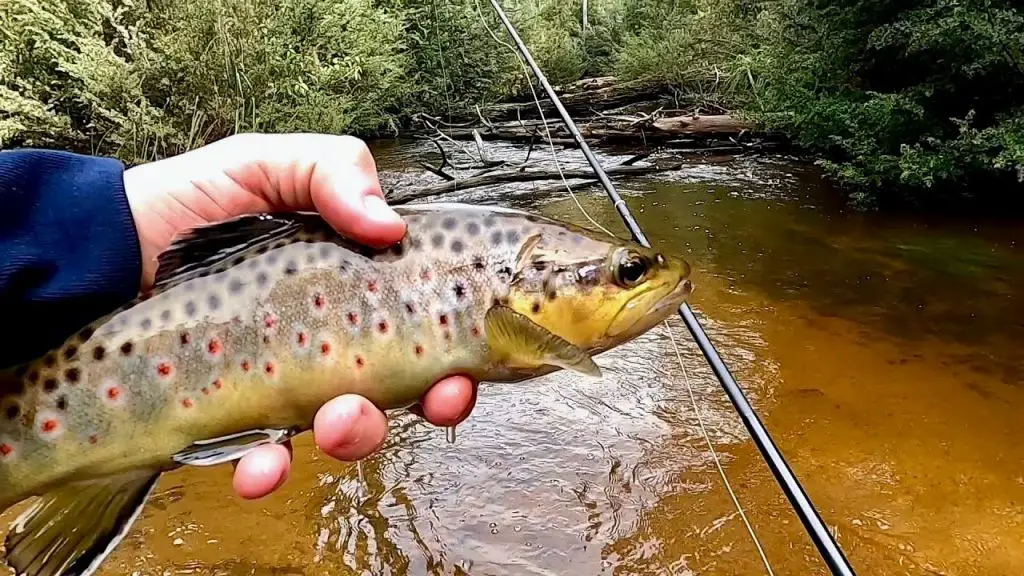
883	353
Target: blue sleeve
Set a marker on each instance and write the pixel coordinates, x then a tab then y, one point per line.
69	251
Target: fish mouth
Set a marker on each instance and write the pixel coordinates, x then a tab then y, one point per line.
656	312
674	298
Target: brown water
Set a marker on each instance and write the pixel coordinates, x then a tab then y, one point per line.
882	354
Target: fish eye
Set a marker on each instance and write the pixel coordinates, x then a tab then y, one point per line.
630	269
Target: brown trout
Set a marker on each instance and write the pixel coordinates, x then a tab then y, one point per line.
254	323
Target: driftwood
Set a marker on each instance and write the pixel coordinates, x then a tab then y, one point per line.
505	177
611	128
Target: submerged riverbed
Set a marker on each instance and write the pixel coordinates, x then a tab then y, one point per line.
882	353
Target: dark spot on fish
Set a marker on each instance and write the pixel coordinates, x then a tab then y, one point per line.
70	352
353	318
269	368
448	223
382	327
261	278
460	290
213	301
33	377
98	353
325	251
359	361
50	384
457	246
496	238
235	286
489	221
512	236
310	258
410	308
126	348
190	308
272	258
437	240
72	375
146	324
505	273
263	249
86	333
62	403
551	294
475	330
419	350
13	411
49	360
398	249
165	315
444	319
291	267
535	307
478	262
473	228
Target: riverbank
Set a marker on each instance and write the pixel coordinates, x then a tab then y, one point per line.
895	106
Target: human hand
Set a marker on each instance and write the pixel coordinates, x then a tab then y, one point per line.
252	173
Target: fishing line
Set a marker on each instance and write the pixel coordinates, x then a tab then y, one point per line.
679	358
547	131
714	454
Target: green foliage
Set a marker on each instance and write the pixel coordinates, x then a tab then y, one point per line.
916	99
900	98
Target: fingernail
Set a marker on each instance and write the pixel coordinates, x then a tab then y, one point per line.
350	412
378	209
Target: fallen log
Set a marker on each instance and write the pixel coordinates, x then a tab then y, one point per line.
522	176
613	128
582	97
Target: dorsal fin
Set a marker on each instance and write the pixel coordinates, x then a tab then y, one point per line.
203	247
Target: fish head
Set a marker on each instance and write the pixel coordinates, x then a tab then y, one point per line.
595	291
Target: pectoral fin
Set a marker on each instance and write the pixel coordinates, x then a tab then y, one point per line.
227	448
524	343
70	531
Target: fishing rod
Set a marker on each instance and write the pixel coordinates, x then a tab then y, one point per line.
829	549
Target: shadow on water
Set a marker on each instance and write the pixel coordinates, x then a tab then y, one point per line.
848	332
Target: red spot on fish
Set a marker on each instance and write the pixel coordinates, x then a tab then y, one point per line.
6	449
419	350
186	338
270	368
353	318
93	439
425	275
325	348
164	369
359	361
319	301
214	346
303	339
444	319
50	425
269	321
371	285
206	390
218	384
382	326
113	393
246	366
187	403
475	330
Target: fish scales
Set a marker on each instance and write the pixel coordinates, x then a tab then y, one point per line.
273	329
